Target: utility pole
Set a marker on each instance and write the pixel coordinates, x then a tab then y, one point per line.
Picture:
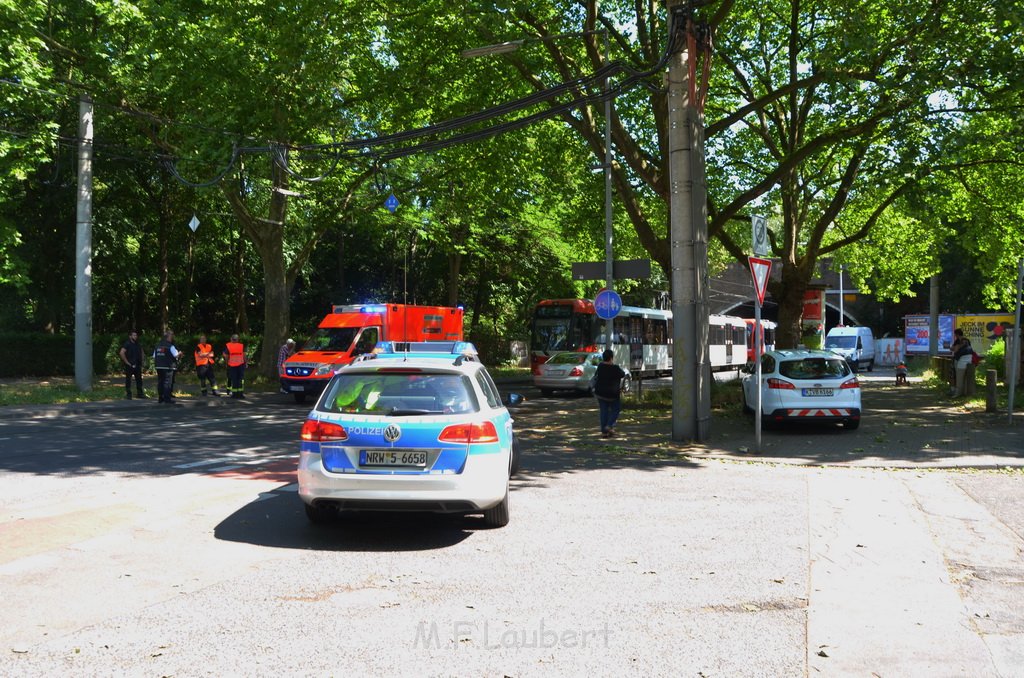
83	248
1014	347
609	257
691	371
933	316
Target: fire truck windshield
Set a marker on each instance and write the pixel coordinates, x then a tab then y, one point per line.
331	339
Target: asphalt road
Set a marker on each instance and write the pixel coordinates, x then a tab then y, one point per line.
168	540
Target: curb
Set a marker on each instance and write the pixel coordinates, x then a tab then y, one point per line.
101	406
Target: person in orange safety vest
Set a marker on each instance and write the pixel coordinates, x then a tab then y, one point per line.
204	365
234	355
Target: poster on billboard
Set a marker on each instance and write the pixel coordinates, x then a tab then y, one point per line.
984	329
814	304
916	333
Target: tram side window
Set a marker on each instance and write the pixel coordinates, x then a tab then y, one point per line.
655	331
716	335
621	330
583	330
636	330
739	337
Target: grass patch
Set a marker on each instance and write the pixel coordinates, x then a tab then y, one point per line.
54	391
63	390
726	399
941	387
505	373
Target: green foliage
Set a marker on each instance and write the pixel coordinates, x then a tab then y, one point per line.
995	359
46	355
887	145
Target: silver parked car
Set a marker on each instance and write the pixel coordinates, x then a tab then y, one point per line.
570	371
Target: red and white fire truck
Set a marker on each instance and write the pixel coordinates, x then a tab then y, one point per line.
349	331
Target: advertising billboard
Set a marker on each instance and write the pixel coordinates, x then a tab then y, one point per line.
984	329
916	333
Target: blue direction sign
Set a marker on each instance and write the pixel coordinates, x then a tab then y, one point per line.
607	304
391	203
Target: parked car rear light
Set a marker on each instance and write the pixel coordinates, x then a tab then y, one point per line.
780	383
576	372
851	383
481	432
318	431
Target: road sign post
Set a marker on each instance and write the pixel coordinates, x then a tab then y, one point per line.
759	272
607	305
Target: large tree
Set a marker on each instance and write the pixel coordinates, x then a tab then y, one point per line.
824	116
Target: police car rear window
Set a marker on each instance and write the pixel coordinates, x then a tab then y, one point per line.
403	393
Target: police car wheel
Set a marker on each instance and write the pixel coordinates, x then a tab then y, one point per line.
871	364
851	424
318	514
498	515
299	397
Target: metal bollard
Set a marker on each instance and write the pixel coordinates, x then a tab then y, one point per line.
990	390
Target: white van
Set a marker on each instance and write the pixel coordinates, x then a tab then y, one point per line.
856	344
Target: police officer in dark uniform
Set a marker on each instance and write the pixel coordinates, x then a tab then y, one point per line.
131	357
165	358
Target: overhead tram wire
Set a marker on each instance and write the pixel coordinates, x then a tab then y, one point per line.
152	117
361	147
365	148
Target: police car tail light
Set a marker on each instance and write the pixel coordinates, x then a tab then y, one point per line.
481	432
851	383
315	430
576	372
780	384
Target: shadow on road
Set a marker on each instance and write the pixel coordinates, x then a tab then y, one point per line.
280	522
901	426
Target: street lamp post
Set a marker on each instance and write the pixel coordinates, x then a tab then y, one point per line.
842	314
514	45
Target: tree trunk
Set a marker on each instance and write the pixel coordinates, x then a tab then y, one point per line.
162	245
340	284
186	311
788	293
277	311
454	267
478	300
241	318
268	237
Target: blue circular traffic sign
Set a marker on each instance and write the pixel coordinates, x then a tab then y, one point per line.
607	304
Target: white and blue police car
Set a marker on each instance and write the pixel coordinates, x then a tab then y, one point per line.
412	426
